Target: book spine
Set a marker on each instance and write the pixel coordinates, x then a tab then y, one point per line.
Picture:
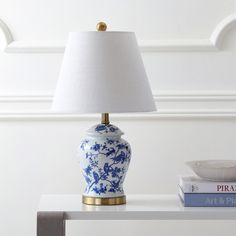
208	200
207	187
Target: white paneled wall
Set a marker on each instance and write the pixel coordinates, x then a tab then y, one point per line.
189	50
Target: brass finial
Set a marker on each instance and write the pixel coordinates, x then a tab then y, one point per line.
105	119
101	26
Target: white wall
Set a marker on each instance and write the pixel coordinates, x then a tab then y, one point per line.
189	51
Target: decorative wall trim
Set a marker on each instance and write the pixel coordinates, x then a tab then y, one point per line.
178	114
212	44
195	96
186	96
25	98
170	104
6	32
145	46
221	30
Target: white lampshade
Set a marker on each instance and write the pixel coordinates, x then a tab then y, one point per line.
102	72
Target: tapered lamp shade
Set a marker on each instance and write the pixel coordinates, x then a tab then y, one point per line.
102	72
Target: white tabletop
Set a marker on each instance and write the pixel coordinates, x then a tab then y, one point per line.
138	207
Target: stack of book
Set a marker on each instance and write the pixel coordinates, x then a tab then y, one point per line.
196	192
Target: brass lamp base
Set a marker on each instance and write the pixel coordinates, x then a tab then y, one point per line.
104	201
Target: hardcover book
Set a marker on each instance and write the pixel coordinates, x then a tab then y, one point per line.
208	199
191	184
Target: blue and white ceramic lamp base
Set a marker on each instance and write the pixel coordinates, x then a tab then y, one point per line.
105	159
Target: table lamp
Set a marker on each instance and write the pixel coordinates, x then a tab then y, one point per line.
102	72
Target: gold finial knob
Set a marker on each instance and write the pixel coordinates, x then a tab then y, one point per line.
101	26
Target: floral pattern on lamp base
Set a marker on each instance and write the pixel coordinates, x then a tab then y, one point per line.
105	159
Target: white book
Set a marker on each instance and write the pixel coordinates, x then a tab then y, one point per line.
192	184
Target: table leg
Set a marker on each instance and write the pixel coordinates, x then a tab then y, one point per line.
50	224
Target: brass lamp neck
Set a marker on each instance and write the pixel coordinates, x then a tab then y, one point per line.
105	119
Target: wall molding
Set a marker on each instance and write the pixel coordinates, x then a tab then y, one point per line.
195	96
187	96
8	38
170	104
145	46
212	44
178	114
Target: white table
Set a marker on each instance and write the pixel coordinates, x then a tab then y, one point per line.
55	209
